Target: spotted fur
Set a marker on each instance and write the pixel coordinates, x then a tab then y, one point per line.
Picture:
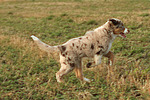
95	44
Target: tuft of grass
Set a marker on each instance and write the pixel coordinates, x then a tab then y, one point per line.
64	14
145	15
70	20
10	13
50	17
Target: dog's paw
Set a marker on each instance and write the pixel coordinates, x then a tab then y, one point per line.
34	38
87	80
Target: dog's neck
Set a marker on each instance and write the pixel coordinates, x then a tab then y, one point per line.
107	25
108	28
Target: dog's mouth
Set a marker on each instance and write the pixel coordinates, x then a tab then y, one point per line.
123	35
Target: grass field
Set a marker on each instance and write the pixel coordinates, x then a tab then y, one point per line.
28	73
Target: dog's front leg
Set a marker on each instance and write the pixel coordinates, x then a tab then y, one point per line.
110	57
97	60
79	74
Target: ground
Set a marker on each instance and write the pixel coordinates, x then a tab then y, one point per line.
28	73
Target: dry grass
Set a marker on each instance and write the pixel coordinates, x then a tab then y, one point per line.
28	73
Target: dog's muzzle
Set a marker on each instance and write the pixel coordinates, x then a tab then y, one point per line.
126	31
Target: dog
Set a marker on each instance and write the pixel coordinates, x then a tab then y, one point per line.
95	44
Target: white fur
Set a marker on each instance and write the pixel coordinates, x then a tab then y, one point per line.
111	41
34	38
109	47
125	31
113	36
87	80
97	59
110	63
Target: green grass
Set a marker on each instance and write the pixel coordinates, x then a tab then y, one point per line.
28	73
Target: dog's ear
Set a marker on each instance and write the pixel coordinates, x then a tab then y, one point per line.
114	21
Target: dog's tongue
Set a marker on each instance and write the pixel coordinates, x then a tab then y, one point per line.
122	34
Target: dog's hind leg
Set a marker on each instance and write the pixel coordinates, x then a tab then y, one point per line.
65	69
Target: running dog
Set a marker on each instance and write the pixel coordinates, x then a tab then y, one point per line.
96	43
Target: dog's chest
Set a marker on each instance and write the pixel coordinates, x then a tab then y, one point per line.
109	47
110	43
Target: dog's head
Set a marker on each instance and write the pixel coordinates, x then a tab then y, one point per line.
118	27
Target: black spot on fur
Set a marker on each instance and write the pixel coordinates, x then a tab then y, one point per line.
62	48
77	46
106	30
63	55
88	65
66	53
80	54
72	64
80	38
101	47
92	46
97	41
98	52
73	44
64	63
69	59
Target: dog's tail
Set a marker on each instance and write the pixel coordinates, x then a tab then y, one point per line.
45	47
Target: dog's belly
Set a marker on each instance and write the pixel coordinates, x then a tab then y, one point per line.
87	52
